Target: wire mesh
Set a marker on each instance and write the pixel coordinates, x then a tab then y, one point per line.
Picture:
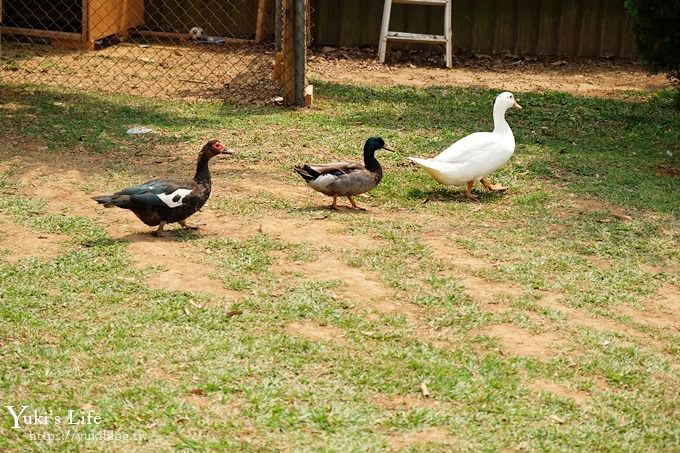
161	48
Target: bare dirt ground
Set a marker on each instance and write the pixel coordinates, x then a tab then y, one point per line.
582	76
243	73
159	69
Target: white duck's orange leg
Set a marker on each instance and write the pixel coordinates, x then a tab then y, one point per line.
493	187
468	191
354	204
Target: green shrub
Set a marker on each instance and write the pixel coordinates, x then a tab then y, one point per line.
656	25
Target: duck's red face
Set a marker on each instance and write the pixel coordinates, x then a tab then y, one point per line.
216	147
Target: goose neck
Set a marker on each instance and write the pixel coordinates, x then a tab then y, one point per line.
500	126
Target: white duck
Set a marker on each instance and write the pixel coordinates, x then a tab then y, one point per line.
477	155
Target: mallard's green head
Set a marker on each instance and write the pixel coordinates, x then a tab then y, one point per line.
373	144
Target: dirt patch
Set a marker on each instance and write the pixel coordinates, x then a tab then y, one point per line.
668	170
586	204
553	301
580	76
391	308
24	243
183	270
541	386
216	404
663	312
163	68
488	293
444	250
403	402
59	187
320	233
518	341
313	331
358	285
424	437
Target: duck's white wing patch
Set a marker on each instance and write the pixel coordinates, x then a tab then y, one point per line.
174	199
323	181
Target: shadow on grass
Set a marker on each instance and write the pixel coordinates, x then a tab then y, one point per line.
453	194
100	120
323	211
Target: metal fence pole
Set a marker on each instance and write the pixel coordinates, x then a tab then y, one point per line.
278	17
300	51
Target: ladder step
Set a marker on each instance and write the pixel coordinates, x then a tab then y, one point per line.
414	37
420	2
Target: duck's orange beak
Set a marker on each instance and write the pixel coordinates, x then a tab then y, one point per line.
516	105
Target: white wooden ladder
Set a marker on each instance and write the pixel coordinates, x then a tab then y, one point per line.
387	35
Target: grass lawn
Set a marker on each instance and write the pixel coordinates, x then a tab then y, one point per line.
541	319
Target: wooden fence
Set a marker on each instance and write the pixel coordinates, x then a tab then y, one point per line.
538	27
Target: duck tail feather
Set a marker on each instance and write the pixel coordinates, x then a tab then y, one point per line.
108	201
307	172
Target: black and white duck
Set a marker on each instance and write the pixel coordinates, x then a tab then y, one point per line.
161	201
345	179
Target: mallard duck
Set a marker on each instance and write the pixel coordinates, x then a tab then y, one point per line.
474	157
162	201
344	179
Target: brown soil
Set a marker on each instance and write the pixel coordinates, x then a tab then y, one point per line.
489	294
585	77
181	70
23	243
582	318
357	285
668	170
404	402
401	441
541	386
518	341
313	331
663	312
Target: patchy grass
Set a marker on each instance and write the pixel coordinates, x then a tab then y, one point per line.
479	301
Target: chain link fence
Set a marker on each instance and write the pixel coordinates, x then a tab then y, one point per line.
244	51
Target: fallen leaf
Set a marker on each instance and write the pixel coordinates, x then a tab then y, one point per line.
622	216
556	419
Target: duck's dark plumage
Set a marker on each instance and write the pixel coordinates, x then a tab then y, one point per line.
162	201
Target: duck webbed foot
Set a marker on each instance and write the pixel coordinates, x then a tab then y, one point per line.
188	226
334	206
468	191
159	232
493	187
354	204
